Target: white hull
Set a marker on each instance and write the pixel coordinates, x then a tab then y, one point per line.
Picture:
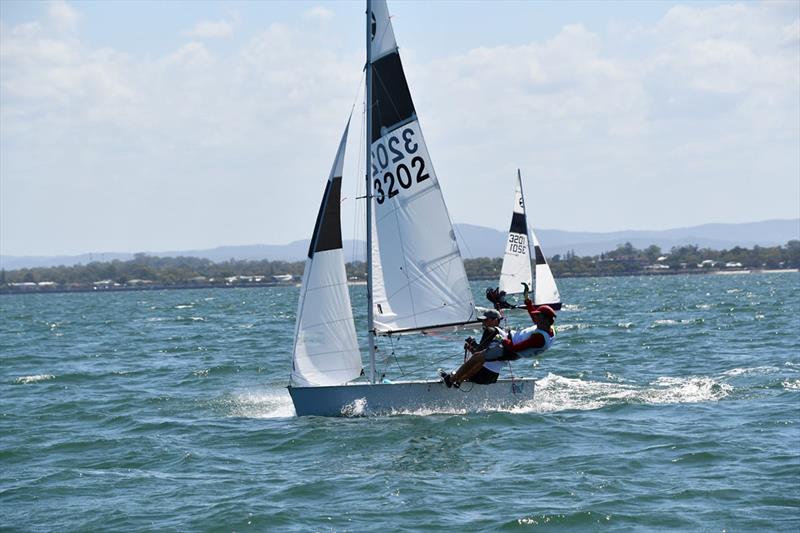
407	396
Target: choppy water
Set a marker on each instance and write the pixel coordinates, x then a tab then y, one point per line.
669	403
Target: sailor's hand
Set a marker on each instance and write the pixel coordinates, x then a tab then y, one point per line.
526	291
470	344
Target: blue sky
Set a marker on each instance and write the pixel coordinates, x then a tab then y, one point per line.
132	126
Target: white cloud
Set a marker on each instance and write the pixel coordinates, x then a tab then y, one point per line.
191	55
319	13
211	30
63	16
205	141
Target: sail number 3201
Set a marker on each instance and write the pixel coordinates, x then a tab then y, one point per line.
396	165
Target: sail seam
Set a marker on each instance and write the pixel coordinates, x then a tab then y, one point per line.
320	324
318	287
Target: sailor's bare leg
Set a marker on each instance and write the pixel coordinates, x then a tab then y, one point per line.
470	367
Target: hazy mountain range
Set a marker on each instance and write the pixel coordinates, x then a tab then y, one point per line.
479	241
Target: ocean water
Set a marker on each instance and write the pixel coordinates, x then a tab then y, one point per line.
667	404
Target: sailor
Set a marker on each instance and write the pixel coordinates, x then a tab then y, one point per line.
498	298
492	332
525	343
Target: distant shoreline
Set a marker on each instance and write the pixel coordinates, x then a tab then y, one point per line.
187	286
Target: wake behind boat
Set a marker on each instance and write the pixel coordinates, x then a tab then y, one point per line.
416	280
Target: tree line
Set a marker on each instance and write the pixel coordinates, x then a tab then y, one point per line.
628	260
146	270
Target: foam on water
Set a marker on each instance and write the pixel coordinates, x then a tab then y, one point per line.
754	370
558	393
23	380
357	407
265	404
665	322
568	327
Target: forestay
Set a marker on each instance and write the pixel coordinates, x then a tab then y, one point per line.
326	350
516	268
418	275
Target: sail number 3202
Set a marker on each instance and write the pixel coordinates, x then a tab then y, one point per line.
396	165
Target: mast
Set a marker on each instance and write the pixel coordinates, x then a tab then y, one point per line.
368	96
527	229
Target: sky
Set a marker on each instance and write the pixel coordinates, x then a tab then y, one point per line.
154	126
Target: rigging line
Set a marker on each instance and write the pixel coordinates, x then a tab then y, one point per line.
394	354
358	91
435	362
458	232
358	218
377	74
388	94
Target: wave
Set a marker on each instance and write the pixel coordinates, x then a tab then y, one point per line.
24	380
753	370
560	328
791	385
669	322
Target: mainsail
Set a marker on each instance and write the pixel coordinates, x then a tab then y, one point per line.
516	268
325	348
418	275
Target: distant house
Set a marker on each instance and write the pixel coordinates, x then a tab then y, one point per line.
733	264
708	263
25	285
283	277
657	267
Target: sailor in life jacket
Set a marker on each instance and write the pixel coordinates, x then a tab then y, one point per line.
492	334
525	343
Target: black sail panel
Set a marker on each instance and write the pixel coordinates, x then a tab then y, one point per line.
391	99
328	228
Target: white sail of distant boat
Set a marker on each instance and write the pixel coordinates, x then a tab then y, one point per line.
416	281
545	291
516	268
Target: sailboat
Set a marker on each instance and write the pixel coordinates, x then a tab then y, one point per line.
416	281
516	268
